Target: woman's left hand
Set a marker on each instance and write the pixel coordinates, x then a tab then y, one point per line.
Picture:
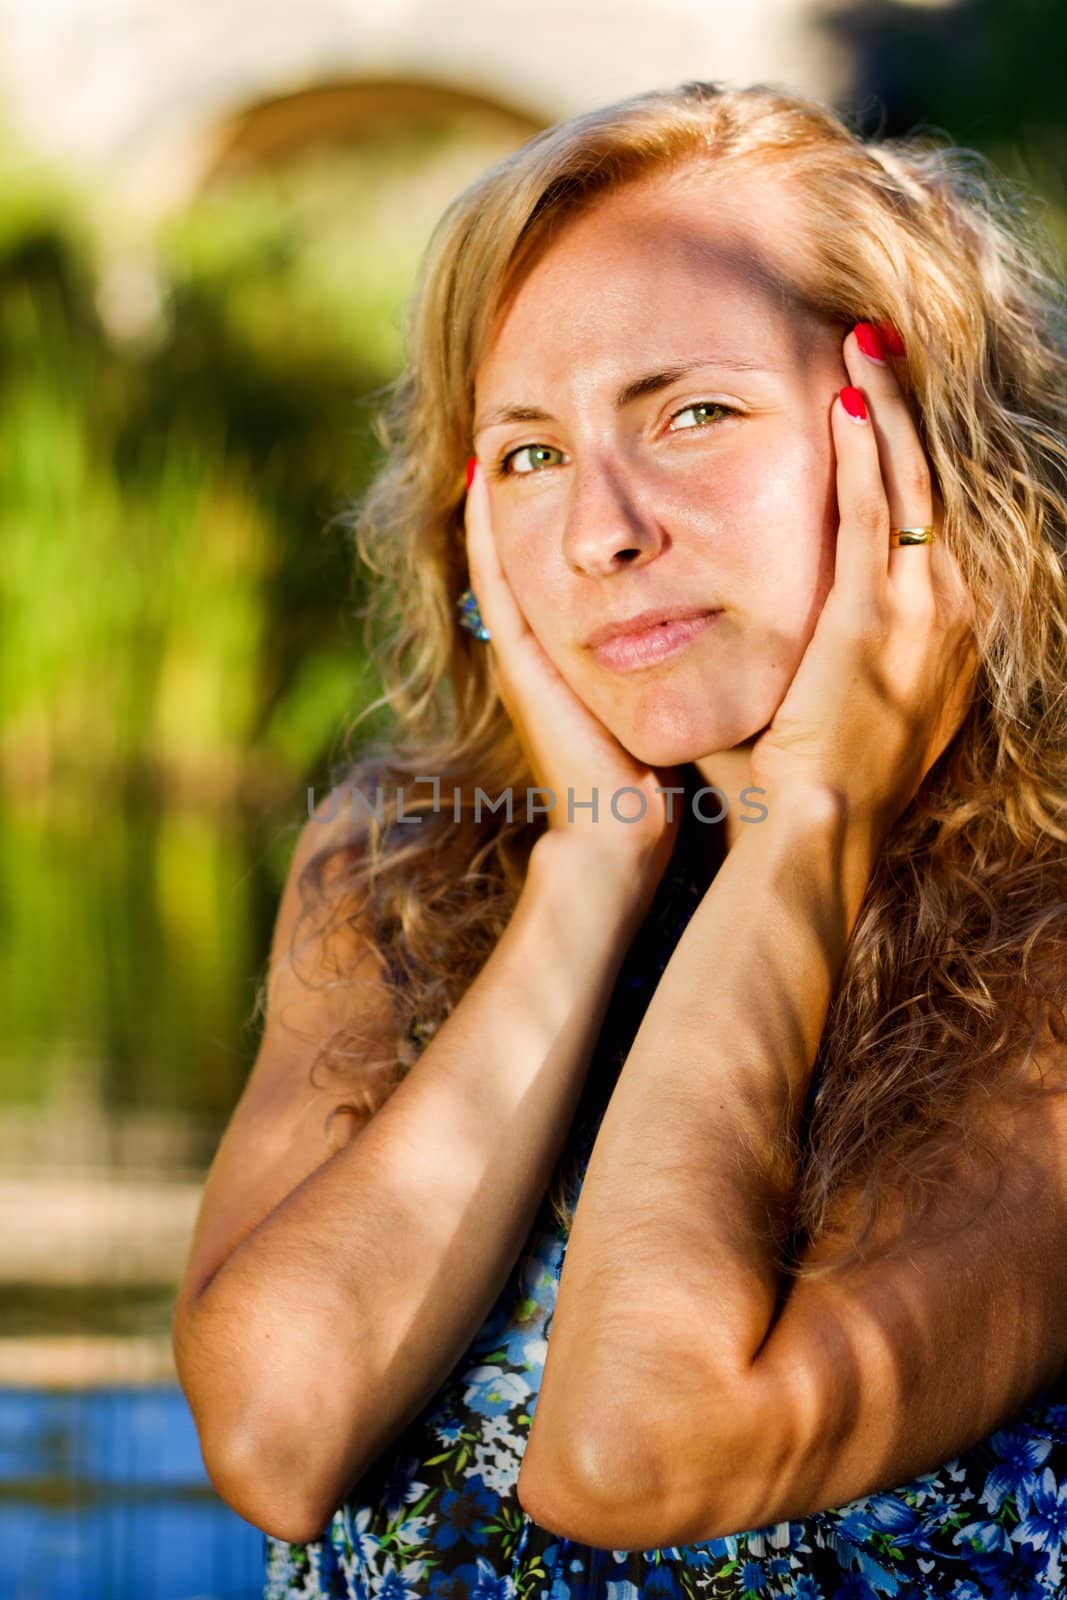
886	677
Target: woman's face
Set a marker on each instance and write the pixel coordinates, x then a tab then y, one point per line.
653	417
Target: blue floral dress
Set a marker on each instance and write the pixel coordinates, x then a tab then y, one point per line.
437	1514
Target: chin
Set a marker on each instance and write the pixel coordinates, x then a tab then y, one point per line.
668	719
656	746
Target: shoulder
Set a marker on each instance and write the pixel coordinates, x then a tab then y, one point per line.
324	926
336	822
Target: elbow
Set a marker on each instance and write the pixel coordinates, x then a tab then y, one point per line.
610	1514
260	1459
611	1488
268	1490
618	1488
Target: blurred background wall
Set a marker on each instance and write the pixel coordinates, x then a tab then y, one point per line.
210	217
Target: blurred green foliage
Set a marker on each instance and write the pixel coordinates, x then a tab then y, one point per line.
177	615
175	588
187	418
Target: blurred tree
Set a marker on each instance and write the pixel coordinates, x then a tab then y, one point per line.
187	418
988	72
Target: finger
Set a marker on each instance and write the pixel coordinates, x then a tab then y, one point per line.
496	602
904	464
522	672
861	558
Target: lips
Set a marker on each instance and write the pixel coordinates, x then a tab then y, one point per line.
642	620
648	646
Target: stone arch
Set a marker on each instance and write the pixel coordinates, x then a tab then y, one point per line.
275	127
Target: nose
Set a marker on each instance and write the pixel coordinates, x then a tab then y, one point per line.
608	524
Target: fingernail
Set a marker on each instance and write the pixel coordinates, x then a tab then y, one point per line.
471	467
852	401
891	339
870	342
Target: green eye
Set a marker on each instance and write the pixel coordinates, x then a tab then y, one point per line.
701	411
538	456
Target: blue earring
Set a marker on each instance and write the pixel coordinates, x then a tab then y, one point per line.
470	617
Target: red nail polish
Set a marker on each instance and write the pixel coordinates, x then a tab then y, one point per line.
852	401
869	341
471	466
891	339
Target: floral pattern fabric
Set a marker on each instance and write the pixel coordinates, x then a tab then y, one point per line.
437	1515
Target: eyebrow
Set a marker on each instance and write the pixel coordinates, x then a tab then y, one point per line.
648	383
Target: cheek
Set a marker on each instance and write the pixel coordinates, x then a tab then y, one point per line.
765	511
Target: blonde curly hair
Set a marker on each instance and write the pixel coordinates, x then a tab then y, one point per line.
954	982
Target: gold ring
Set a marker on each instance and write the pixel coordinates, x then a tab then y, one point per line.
903	536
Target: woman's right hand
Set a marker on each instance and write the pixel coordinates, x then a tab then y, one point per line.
565	744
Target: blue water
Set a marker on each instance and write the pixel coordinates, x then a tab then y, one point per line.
103	1496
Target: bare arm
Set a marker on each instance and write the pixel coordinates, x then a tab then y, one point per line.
675	1404
336	1316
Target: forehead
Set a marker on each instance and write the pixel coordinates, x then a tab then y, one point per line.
677	257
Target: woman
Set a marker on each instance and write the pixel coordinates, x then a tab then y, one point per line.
764	530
